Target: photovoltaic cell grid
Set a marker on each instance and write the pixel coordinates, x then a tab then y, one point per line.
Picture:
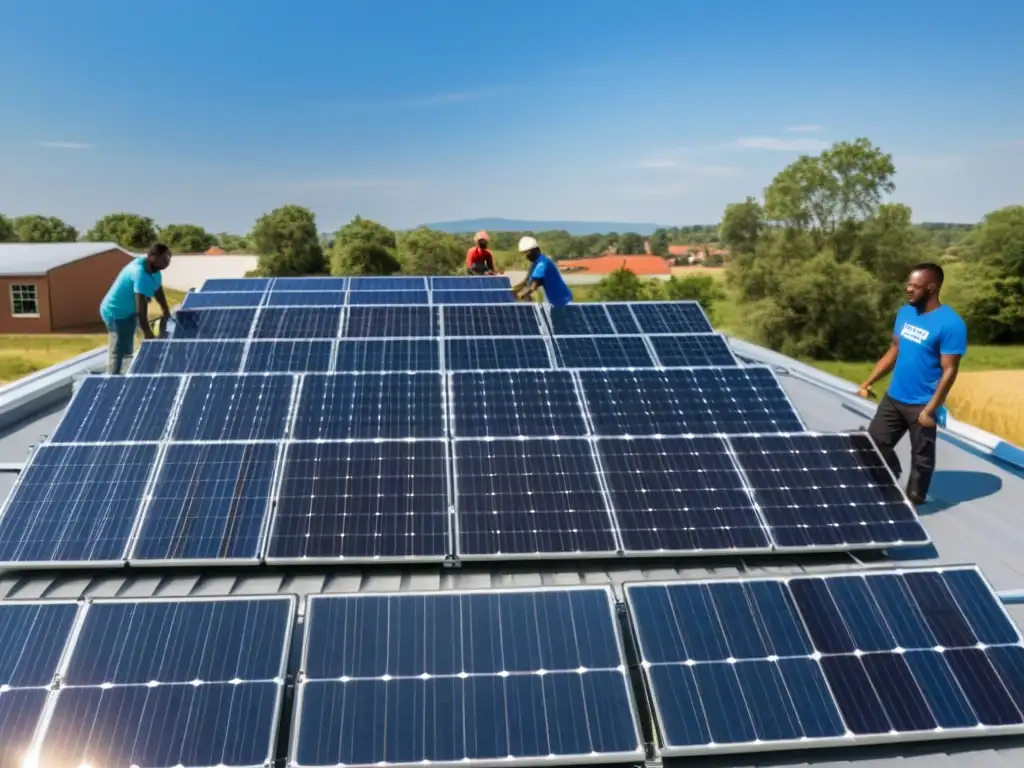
524	676
166	356
816	661
106	409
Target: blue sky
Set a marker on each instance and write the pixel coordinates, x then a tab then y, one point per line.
407	111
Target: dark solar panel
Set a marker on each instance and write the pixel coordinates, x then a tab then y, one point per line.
388	355
526	497
397	322
515	403
221	299
369	406
309	284
602	352
33	637
622	318
472	297
118	408
687	401
75	504
244	407
389	283
580	319
362	500
816	661
513	320
20	713
692	349
670	317
212	323
209	502
389	297
298	323
472	282
296	356
826	491
508	352
306	299
679	495
524	676
162	356
257	284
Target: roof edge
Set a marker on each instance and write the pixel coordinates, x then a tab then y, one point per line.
39	390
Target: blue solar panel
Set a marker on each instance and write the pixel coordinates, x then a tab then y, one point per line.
257	284
523	676
513	353
161	356
472	297
670	317
221	299
33	638
209	502
622	318
306	299
397	322
107	409
309	284
75	504
388	355
828	491
298	323
602	352
387	284
388	297
580	319
815	661
212	323
515	403
295	356
362	501
500	320
690	349
369	406
20	712
245	407
472	282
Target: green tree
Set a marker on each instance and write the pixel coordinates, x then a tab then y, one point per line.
364	247
630	244
700	288
187	238
999	241
287	243
622	285
7	234
660	242
230	243
742	224
43	229
128	230
990	303
428	252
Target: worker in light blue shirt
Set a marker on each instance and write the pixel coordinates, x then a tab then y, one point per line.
542	273
928	341
125	307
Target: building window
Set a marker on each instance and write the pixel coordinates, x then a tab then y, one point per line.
24	301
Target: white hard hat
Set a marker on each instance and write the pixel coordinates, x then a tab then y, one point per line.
527	243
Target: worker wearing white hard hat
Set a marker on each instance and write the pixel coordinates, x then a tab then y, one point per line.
542	273
479	260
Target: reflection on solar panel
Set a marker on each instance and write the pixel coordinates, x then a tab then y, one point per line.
523	676
288	356
378	322
163	356
250	284
212	323
221	299
512	320
692	349
826	491
622	318
208	503
248	407
472	297
20	712
745	665
306	299
298	323
310	284
602	352
679	401
155	714
670	317
369	406
515	403
679	495
110	409
362	501
387	284
514	353
75	504
472	283
388	355
388	297
580	319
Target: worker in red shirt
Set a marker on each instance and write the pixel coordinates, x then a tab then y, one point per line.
479	260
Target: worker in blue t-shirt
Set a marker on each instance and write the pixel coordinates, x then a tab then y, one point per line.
928	341
125	307
542	273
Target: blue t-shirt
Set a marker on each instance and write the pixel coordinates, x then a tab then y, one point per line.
923	339
119	302
545	272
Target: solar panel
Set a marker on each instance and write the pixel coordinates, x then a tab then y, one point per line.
380	322
221	299
369	406
164	356
687	401
75	504
389	283
525	677
602	352
510	352
512	320
257	284
21	709
472	297
296	356
208	503
361	501
309	284
212	323
388	355
472	283
245	407
579	319
622	318
826	491
306	299
692	349
670	317
679	495
173	682
298	323
515	403
109	409
33	640
390	297
816	661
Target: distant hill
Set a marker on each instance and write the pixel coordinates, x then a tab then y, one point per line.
522	225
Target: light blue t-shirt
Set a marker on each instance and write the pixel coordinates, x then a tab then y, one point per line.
545	272
923	339
119	302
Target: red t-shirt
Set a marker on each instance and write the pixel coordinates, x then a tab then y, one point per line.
475	254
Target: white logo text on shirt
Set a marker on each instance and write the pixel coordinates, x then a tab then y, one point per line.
913	333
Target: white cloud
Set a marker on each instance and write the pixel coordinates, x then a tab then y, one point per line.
805	128
778	144
62	144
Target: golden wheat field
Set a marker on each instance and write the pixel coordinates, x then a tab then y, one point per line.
991	400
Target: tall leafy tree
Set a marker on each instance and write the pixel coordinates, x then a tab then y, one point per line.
630	243
233	243
187	238
7	234
43	229
129	230
660	242
623	285
999	241
742	224
428	252
287	243
364	247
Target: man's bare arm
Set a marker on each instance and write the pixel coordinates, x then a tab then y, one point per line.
161	299
950	368
884	365
142	310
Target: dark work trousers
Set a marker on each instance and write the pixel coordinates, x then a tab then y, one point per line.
892	420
